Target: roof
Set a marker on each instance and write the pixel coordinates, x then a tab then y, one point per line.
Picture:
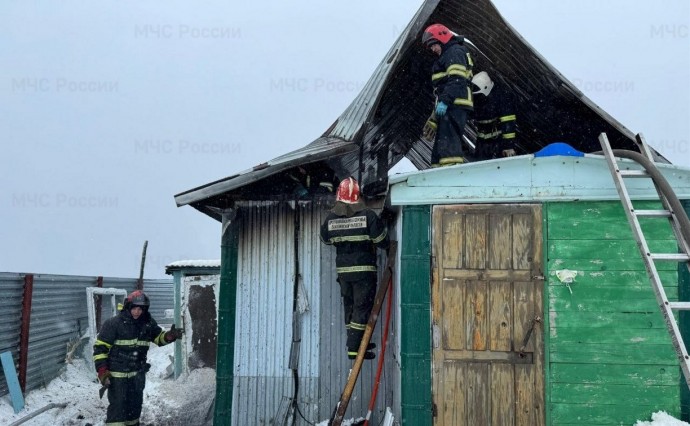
384	121
200	264
526	178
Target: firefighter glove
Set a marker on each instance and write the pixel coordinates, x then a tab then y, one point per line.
104	376
441	109
174	334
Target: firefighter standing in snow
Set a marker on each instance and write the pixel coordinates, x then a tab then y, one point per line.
355	231
450	77
120	357
494	115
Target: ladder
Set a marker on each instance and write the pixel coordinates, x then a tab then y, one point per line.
340	409
676	217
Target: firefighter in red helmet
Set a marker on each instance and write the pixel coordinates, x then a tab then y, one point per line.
119	355
356	232
451	75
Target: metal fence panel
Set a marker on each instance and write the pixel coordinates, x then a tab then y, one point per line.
59	318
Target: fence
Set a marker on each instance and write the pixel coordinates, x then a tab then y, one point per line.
58	317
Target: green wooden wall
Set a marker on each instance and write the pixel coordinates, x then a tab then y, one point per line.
611	361
415	318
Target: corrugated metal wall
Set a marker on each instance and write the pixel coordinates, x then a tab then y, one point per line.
263	379
58	317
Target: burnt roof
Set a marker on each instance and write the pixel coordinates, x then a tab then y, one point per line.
384	122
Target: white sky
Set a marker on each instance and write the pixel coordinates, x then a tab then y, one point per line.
109	109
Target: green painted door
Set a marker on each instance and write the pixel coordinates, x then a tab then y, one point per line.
488	352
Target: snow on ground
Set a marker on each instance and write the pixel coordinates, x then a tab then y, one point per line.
187	401
660	418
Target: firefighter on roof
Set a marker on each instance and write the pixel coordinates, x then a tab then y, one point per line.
494	115
355	231
451	74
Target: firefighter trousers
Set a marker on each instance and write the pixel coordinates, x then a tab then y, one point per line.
358	295
447	149
125	397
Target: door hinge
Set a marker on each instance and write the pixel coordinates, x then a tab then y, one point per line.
434	410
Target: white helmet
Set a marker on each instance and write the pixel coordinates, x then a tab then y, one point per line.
483	83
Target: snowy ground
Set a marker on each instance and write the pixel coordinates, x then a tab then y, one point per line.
187	401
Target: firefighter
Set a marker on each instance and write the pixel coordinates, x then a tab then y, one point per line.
120	357
451	74
355	231
494	115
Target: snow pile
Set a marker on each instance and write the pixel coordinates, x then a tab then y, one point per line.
186	401
661	418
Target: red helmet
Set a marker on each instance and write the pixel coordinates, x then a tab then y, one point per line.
348	191
436	33
137	298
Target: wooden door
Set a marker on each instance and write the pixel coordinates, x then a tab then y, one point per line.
486	294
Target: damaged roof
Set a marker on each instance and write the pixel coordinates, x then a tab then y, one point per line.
384	122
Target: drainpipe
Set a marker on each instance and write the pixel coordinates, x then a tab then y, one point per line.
24	331
226	318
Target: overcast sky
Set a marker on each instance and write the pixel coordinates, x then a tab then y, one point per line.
108	109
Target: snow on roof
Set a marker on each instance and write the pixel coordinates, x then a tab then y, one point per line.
212	263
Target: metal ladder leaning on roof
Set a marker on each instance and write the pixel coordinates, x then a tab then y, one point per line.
673	211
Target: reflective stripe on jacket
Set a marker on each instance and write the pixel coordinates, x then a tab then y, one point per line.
451	74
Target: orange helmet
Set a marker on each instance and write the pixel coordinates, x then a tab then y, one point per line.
348	191
436	33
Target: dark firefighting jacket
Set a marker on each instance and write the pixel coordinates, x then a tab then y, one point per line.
355	238
451	74
495	117
123	343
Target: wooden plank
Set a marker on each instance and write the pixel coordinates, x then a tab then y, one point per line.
453	320
609	335
478	405
488	275
560	303
606	249
500	242
475	241
490	356
524	395
502	392
616	296
634	263
476	316
589	353
523	244
633	320
453	239
615	374
8	367
500	316
627	279
454	409
523	295
576	393
538	269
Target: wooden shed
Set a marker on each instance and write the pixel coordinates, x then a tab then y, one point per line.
524	299
521	298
